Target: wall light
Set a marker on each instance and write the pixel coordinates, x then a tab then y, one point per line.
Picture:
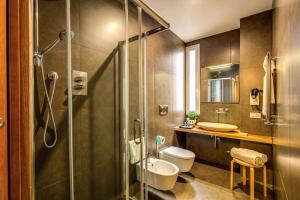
112	27
222	66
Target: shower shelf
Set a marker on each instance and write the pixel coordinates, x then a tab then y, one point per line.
232	135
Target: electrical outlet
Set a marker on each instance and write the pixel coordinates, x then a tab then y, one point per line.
255	101
255	115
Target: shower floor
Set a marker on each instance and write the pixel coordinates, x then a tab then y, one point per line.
207	182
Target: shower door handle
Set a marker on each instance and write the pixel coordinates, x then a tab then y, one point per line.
137	122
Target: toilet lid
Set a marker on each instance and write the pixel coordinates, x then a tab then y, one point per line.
179	152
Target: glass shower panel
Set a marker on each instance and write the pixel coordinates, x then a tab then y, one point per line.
50	97
99	28
134	116
136	120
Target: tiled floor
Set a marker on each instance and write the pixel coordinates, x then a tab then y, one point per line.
205	182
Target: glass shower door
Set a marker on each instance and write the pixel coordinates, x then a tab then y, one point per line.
110	114
97	51
137	124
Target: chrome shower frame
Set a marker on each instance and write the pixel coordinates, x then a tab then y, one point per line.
70	98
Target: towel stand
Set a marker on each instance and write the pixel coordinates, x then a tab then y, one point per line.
252	167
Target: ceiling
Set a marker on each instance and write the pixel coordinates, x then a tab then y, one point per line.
194	19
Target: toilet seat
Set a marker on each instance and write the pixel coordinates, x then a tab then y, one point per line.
179	152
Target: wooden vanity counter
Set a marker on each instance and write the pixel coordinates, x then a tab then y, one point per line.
232	135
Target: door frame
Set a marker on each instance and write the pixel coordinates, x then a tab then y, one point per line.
3	104
19	100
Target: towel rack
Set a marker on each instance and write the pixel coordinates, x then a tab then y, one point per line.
269	118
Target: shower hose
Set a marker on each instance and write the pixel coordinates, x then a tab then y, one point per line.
52	76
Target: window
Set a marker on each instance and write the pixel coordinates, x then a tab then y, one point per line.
193	78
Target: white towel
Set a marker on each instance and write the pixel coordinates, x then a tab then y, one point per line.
135	151
249	156
265	66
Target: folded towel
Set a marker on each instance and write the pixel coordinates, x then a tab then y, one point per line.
265	66
135	151
249	156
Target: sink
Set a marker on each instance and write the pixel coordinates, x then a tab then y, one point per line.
216	126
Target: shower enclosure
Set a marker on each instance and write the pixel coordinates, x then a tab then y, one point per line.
90	97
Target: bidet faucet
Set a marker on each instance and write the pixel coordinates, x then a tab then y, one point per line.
148	159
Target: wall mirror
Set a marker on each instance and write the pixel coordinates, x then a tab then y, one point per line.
220	83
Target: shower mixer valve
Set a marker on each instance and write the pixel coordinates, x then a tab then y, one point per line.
79	83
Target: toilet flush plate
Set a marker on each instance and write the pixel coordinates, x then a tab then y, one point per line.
163	110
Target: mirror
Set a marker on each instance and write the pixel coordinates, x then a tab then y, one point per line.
220	83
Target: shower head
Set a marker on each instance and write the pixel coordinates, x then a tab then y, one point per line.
61	36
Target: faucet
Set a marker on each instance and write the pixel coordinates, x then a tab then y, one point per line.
221	111
148	159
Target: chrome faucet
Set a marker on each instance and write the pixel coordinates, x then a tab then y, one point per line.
222	110
148	159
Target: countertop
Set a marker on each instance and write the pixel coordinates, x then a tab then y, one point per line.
233	135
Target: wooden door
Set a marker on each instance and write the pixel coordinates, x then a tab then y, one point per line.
19	104
3	104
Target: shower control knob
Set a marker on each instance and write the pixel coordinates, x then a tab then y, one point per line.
1	122
78	79
79	86
80	83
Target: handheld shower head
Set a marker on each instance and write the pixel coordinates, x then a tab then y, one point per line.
61	36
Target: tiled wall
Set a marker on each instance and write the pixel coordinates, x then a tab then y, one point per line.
99	26
255	42
286	46
166	85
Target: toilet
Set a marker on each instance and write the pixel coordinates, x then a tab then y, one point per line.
182	158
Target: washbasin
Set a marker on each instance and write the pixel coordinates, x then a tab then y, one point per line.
217	126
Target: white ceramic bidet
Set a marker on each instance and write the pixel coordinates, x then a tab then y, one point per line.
162	175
